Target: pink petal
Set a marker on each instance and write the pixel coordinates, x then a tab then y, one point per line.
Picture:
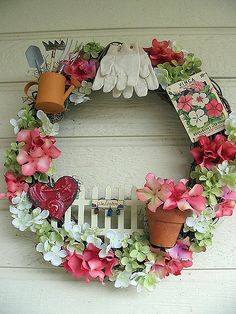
28	169
151	181
164	193
22	157
184	181
198	203
12	186
3	195
154	204
183	205
231	196
24	136
95	264
187	263
228	212
180	187
144	194
43	164
54	152
95	274
92	247
170	203
35	133
9	176
36	152
196	190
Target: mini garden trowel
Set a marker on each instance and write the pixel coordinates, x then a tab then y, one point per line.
34	58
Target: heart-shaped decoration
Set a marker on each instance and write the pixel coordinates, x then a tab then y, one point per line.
56	199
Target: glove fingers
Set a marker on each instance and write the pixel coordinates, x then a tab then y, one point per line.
152	81
141	88
133	78
121	81
110	82
144	63
116	93
128	92
98	81
106	65
109	59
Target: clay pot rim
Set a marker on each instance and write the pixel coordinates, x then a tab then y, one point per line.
168	216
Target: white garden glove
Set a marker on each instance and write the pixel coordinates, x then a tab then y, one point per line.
118	68
147	79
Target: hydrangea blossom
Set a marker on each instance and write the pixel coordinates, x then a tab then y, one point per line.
162	77
52	252
51	245
25	119
144	280
81	233
79	95
201	223
47	128
55	255
122	279
115	241
230	127
23	218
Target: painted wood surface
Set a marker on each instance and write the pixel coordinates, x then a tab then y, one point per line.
115	142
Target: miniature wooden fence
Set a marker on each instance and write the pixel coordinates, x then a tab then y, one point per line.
129	219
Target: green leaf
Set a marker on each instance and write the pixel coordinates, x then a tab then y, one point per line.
29	179
124	260
134	253
128	268
94	54
141	257
86	56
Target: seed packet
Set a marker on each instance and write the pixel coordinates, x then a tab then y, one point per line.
198	106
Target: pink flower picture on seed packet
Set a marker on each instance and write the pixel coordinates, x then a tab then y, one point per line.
198	106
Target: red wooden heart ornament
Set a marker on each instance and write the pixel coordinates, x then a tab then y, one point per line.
56	199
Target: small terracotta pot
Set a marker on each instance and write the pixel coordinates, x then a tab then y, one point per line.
164	226
51	92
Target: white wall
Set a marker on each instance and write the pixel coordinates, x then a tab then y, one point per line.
116	142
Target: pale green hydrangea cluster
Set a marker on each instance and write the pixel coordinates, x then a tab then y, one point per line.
23	217
80	95
51	245
78	234
47	128
209	179
170	73
203	227
230	127
135	253
25	119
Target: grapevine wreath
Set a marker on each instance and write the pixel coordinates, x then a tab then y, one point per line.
181	216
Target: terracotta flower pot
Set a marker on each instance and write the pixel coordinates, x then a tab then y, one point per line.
51	92
164	226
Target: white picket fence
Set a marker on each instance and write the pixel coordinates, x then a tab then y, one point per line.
130	218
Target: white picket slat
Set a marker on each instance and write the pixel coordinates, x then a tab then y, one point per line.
107	225
68	215
94	217
134	210
121	215
81	205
